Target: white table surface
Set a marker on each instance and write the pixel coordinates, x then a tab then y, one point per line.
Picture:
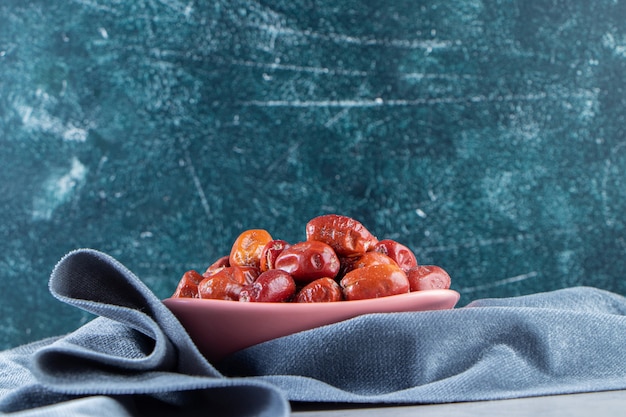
600	404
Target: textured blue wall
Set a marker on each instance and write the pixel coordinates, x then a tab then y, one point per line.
488	136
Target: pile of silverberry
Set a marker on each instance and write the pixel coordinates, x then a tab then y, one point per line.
339	260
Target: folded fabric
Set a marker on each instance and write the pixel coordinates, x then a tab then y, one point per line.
136	359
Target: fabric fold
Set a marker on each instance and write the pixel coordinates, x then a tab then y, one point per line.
135	358
134	352
99	284
565	341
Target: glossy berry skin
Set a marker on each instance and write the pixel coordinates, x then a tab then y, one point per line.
322	290
225	284
428	277
247	248
374	282
270	252
308	261
345	235
404	257
188	285
273	286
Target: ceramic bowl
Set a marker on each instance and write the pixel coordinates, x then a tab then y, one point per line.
220	327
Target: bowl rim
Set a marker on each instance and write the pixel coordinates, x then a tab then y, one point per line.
254	319
240	305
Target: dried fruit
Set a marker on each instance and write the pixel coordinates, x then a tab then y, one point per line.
270	252
217	265
247	249
374	282
404	257
308	261
225	284
250	273
273	286
322	290
372	258
345	235
428	277
339	260
188	285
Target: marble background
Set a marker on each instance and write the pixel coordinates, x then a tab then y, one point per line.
489	136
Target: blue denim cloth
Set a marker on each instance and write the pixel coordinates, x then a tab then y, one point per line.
136	359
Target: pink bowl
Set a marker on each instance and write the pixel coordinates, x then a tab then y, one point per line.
220	327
